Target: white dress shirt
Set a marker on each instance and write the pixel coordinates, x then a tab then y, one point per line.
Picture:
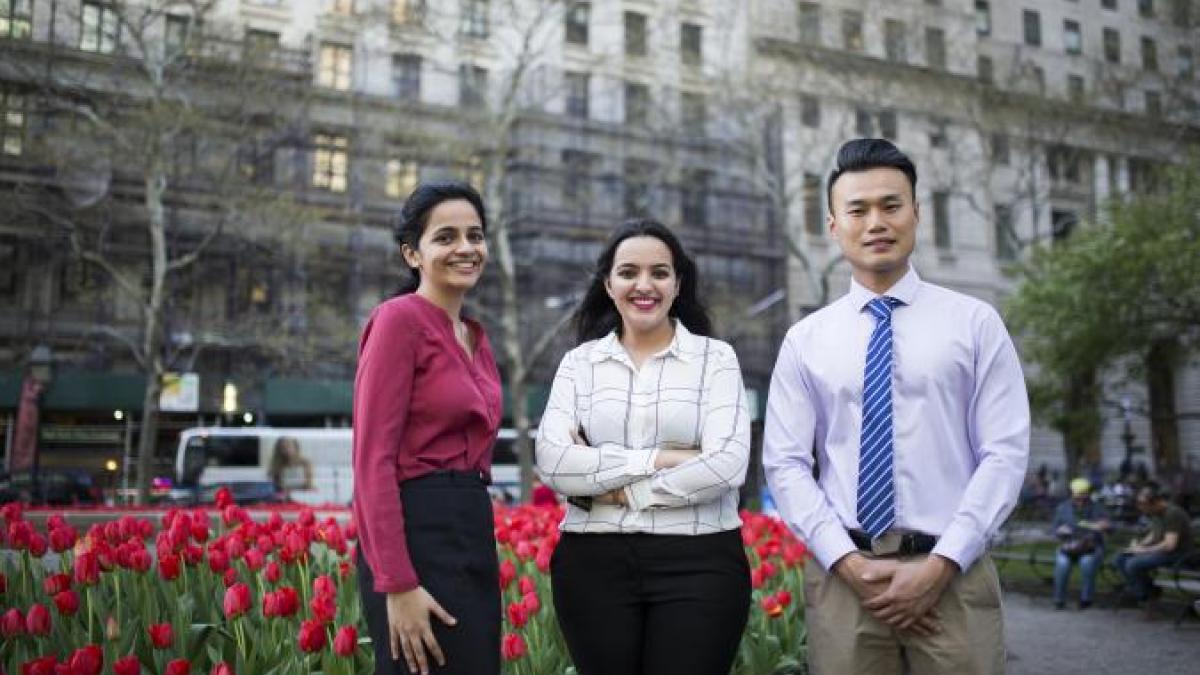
960	420
690	394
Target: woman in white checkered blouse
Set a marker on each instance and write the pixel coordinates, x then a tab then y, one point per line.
647	432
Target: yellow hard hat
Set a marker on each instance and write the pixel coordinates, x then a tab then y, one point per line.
1080	487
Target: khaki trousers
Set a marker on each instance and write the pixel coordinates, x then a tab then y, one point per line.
844	639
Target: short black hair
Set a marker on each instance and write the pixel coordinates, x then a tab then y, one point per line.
862	154
409	224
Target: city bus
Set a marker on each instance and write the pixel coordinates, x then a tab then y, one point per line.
238	458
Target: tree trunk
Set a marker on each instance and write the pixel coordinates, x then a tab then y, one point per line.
152	337
1164	424
1081	424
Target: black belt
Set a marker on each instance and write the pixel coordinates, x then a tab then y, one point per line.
911	543
447	478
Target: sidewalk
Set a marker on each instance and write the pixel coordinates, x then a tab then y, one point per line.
1098	641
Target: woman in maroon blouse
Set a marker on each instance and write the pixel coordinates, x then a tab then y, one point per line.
426	411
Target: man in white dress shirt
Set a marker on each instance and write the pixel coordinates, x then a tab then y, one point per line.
896	443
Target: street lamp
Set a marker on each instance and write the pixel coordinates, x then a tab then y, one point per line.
41	372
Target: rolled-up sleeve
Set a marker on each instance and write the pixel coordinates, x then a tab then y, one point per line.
580	470
382	394
724	447
788	435
998	421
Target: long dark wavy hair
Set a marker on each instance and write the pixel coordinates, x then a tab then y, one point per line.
410	223
597	315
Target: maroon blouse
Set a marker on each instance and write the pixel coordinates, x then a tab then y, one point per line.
420	405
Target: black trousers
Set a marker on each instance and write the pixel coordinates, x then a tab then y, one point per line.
448	527
651	604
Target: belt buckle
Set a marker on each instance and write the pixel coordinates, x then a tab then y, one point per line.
889	543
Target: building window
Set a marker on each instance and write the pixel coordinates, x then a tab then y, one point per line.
1146	8
810	111
1062	224
577	94
985	70
261	45
1112	45
16	19
13	115
937	133
474	19
1182	13
810	23
935	48
98	28
635	34
331	162
406	76
1109	4
1064	164
335	66
690	44
1033	28
983	18
895	42
887	124
1000	149
1072	37
577	20
472	85
1007	243
694	207
402	178
941	220
814	216
637	176
577	185
693	114
9	264
1075	88
1149	55
863	126
408	11
1185	63
637	104
852	30
1154	104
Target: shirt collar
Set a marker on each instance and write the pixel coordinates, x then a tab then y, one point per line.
685	346
904	290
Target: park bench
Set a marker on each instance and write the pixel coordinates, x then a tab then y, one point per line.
1184	577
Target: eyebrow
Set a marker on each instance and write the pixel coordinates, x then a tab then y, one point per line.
635	265
887	199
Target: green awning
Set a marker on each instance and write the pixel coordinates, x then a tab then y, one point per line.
95	391
10	388
299	396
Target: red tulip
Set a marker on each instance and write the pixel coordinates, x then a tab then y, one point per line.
351	530
237	600
518	616
63	538
221	668
139	560
12	623
161	635
235	548
46	665
230	577
312	636
168	566
531	602
526	585
345	641
54	584
199	529
273	572
543	559
67	602
192	554
224	497
37	545
87	568
771	606
127	665
323	585
112	629
508	572
784	597
37	620
254	560
324	608
3	583
87	660
512	647
178	667
218	560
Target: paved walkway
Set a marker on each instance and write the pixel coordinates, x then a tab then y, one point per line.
1099	641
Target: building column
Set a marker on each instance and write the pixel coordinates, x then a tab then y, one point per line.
1122	176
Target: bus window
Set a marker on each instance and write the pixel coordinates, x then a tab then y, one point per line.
504	451
228	451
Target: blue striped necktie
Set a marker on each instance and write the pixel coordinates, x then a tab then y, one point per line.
876	490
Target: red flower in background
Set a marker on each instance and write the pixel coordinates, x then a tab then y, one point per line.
37	620
273	572
518	616
12	623
45	665
87	660
345	641
237	600
168	566
324	608
311	637
56	583
127	665
67	602
222	668
512	647
508	572
178	667
161	635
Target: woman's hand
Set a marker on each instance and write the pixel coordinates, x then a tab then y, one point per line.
409	631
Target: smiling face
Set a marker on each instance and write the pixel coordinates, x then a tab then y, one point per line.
874	219
643	284
452	250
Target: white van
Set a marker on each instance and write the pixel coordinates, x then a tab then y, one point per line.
239	457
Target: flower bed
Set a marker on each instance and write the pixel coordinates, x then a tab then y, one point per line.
274	597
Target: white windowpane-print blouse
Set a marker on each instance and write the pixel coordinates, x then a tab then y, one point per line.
690	394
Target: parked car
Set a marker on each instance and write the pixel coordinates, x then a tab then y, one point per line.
55	487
